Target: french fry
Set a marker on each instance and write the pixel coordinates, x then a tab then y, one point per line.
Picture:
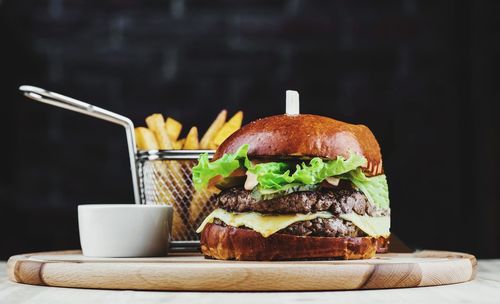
191	142
178	226
145	139
170	171
213	129
183	226
173	128
227	129
178	144
182	183
198	207
172	181
156	123
167	193
179	181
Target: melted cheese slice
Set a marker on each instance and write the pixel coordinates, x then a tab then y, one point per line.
269	224
372	225
262	223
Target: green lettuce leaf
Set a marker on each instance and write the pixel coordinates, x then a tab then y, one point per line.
277	178
375	188
266	194
205	170
275	175
272	175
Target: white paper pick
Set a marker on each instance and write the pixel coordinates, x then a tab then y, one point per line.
292	103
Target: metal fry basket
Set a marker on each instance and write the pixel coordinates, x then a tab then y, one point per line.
165	178
158	177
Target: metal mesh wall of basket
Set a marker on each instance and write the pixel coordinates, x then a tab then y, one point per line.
165	178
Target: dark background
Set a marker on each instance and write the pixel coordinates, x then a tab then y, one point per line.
422	75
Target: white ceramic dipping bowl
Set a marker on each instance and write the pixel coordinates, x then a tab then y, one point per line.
125	230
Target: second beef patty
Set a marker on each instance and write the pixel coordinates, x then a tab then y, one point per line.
336	201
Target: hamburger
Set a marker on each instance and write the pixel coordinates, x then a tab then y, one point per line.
295	187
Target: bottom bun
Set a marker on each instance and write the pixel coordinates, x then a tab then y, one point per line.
230	243
383	244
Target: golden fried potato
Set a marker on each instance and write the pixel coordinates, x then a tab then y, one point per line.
213	129
156	123
227	129
173	128
145	139
191	142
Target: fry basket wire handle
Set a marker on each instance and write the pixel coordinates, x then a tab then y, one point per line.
72	104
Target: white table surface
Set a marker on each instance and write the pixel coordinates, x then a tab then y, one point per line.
484	289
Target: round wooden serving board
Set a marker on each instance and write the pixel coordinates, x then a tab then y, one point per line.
193	272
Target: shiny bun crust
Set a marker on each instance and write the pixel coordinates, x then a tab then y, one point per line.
305	136
230	243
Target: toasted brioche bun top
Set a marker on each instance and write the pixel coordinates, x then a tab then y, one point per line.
305	136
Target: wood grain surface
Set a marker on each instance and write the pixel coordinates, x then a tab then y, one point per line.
194	273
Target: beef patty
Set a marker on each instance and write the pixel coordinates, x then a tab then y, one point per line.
332	227
336	201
